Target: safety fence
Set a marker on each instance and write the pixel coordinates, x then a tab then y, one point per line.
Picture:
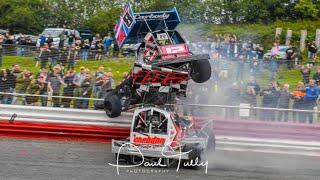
248	112
61	53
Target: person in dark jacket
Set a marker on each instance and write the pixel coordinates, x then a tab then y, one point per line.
4	86
270	100
283	103
290	56
305	71
310	99
85	92
68	88
84	52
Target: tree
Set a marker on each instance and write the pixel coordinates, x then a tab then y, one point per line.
307	9
103	22
21	16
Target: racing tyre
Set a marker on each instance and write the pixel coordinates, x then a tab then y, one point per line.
200	71
195	156
112	105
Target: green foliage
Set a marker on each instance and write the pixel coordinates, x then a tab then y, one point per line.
104	21
307	9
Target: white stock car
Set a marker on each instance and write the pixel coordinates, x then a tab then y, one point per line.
156	133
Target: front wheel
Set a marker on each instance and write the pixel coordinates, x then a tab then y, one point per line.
200	71
112	105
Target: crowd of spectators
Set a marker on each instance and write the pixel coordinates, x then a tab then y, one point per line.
233	63
51	84
57	77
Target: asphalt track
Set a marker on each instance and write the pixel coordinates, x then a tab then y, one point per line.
30	159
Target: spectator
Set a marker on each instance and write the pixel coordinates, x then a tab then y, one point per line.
54	53
77	48
269	100
291	54
44	86
310	99
2	39
23	83
250	97
273	61
68	88
72	56
44	56
107	41
33	89
252	92
62	38
98	82
252	82
42	40
312	50
316	77
22	42
12	77
63	56
85	50
50	41
4	86
71	38
99	50
297	96
56	81
77	81
283	103
305	71
85	91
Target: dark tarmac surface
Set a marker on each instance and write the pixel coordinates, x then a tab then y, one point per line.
29	159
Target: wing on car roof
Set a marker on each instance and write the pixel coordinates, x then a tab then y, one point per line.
132	27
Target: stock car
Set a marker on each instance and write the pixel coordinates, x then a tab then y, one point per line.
163	64
156	133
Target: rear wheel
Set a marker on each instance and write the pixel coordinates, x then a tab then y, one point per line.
200	71
195	157
112	105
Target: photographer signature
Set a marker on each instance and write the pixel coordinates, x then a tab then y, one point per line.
191	163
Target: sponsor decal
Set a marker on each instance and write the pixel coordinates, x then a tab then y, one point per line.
148	140
152	16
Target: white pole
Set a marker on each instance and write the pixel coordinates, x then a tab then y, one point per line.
303	39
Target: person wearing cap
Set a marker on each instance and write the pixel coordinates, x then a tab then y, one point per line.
23	82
